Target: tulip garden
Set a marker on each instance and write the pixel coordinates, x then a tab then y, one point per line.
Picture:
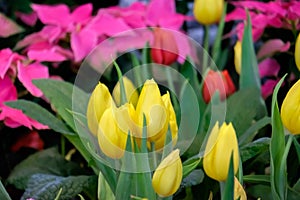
146	100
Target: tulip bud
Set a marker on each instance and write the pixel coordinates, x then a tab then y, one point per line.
99	101
164	49
151	105
168	175
216	81
238	56
290	109
297	52
239	192
111	138
131	94
208	11
172	116
221	143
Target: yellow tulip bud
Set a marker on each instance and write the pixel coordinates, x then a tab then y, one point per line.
238	56
150	104
172	116
168	175
297	52
239	192
290	109
99	101
111	138
222	142
131	94
208	11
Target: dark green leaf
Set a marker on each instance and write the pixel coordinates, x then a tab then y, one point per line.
277	147
194	178
260	192
255	148
41	115
45	186
61	95
297	147
228	192
259	179
3	193
48	161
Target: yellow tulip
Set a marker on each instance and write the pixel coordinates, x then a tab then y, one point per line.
172	116
222	142
297	52
151	105
168	175
290	109
238	56
111	138
99	101
239	192
131	93
208	11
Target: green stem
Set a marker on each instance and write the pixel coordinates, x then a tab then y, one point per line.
206	48
222	187
172	88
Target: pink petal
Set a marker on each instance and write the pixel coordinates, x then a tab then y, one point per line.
107	24
272	46
7	57
14	118
268	67
48	55
236	14
82	43
8	27
29	19
8	91
29	39
82	14
294	11
58	15
268	87
32	71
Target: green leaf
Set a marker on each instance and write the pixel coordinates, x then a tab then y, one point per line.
255	148
48	161
61	94
249	76
242	108
251	132
3	193
189	166
228	192
41	115
297	147
258	179
194	178
104	191
277	147
45	186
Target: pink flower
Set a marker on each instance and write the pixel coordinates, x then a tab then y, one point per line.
29	19
7	59
8	91
32	71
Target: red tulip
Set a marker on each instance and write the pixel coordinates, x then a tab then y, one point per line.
164	49
217	81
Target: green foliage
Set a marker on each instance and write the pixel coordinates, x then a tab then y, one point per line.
228	192
254	148
3	193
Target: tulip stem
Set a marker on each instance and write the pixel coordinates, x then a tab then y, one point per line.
222	187
206	48
286	150
172	89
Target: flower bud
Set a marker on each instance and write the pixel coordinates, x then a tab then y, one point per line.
99	101
131	93
238	56
216	81
168	175
208	11
151	105
164	49
111	133
221	143
297	52
290	109
239	192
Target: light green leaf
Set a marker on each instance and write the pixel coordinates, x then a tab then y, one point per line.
254	148
277	147
3	193
228	192
104	191
189	166
41	115
259	179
